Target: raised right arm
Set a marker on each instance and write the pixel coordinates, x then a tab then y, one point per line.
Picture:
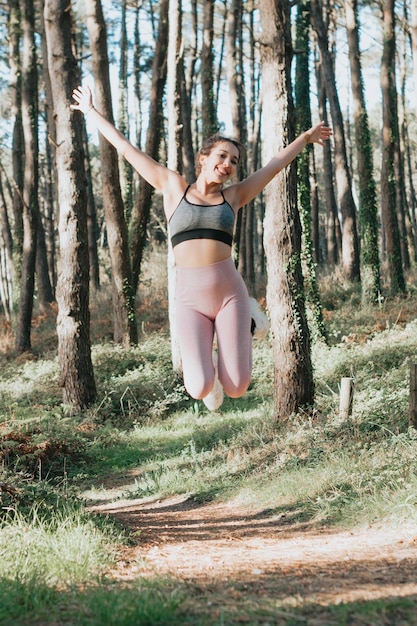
153	172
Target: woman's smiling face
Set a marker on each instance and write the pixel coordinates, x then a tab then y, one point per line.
222	161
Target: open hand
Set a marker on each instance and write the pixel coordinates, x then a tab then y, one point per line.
83	98
319	133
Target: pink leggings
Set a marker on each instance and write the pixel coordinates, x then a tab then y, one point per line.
214	299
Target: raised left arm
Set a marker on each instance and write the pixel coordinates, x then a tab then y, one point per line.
244	191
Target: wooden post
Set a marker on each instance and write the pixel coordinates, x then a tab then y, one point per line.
412	419
346	398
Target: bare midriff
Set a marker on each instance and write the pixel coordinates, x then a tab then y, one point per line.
200	252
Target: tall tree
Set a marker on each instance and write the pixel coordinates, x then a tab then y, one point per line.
73	323
407	239
18	144
254	145
49	191
189	89
389	128
236	80
408	186
293	374
43	282
141	210
6	256
31	178
413	35
208	107
350	240
306	161
306	166
123	291
333	238
174	150
92	225
123	123
186	119
368	220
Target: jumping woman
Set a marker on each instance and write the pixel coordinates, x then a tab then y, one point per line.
211	297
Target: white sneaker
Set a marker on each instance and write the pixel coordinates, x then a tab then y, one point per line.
215	398
260	321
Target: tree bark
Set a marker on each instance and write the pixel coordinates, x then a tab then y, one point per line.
123	118
368	213
6	257
18	149
92	225
350	241
140	217
244	237
43	282
293	374
49	192
208	112
388	183
413	34
305	166
73	324
123	291
31	179
174	155
333	251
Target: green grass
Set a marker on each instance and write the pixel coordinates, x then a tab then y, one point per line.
104	604
62	549
145	437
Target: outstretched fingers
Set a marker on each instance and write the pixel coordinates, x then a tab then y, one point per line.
323	133
83	98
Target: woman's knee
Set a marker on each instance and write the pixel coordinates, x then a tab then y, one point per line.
198	387
237	388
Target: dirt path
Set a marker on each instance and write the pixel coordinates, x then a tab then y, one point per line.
244	563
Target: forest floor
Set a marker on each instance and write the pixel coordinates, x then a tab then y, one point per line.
257	567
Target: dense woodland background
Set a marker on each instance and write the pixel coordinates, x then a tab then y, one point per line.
75	218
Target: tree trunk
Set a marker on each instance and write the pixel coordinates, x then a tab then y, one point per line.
305	162
333	231
92	226
411	186
186	142
18	149
368	213
174	155
43	282
234	15
49	191
137	72
73	325
140	217
31	178
350	242
123	119
253	152
123	292
245	225
413	33
49	204
6	257
388	183
208	112
190	86
293	374
403	141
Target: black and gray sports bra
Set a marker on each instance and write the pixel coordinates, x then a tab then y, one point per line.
196	221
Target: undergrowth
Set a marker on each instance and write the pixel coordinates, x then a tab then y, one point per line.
145	437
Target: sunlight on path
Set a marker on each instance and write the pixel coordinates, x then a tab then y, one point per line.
218	544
